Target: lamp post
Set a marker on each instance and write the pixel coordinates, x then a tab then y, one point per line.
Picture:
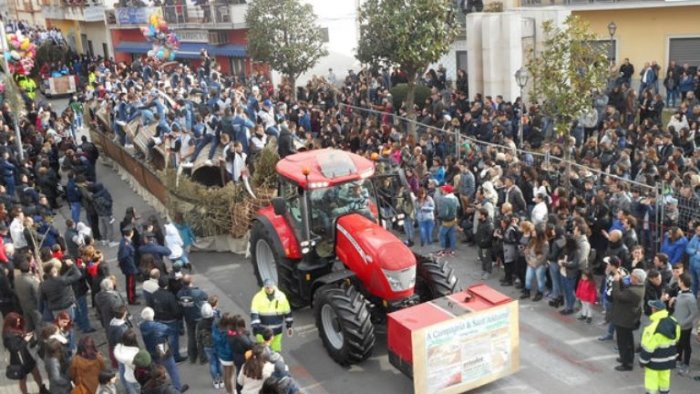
521	77
612	28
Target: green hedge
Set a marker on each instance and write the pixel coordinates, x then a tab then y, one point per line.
398	93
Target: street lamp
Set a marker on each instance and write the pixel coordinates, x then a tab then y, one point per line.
521	77
612	28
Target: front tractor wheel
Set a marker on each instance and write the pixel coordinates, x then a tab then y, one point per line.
344	325
434	279
268	263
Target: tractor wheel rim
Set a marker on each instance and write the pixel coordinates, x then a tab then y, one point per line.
331	327
265	260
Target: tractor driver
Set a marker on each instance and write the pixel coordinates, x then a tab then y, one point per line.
354	198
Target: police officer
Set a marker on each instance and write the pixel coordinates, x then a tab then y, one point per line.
658	356
270	309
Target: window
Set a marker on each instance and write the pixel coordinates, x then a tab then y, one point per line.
461	60
290	191
324	34
685	50
606	47
237	66
105	50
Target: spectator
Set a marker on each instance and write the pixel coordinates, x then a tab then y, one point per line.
205	341
674	245
535	254
685	312
155	338
167	311
255	371
626	313
124	352
693	252
56	365
484	237
16	340
28	292
107	380
223	348
191	299
447	214
86	365
587	294
654	289
425	216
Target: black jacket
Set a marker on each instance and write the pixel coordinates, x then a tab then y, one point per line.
165	306
57	290
285	144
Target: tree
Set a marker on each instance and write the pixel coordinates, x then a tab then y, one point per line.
410	34
285	35
567	71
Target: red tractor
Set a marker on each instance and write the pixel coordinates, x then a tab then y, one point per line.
322	242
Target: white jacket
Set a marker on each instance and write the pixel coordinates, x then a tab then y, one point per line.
173	241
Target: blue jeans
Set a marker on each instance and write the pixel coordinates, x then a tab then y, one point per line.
556	280
171	367
122	369
530	275
448	237
82	317
272	131
206	139
132	388
75	212
695	273
214	363
672	96
569	285
408	228
426	231
174	337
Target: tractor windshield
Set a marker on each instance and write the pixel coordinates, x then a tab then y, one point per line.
327	204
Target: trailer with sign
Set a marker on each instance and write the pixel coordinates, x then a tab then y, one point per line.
456	343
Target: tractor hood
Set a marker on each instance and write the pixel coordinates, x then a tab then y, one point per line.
372	244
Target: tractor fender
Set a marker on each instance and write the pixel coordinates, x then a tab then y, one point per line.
285	241
333	277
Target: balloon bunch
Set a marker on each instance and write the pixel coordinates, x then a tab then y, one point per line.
20	54
164	40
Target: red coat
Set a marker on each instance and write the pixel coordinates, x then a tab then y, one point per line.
586	291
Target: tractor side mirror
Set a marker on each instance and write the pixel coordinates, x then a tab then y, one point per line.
279	205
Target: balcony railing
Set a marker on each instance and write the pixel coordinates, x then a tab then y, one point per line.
78	10
545	3
212	16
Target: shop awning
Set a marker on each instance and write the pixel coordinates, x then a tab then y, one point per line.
188	50
133	47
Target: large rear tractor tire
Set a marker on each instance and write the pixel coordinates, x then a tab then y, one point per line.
344	325
268	263
434	279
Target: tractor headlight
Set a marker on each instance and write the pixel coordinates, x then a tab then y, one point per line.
401	280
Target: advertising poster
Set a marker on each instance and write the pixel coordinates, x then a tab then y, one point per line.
466	352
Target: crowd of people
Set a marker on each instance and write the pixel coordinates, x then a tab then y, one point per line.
589	235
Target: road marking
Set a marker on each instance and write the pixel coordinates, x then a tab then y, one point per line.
579	341
600	358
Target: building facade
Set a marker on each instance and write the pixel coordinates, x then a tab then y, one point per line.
218	28
82	23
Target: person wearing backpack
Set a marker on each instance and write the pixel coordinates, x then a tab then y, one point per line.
191	298
447	214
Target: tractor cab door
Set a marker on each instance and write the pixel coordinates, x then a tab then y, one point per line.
292	196
392	193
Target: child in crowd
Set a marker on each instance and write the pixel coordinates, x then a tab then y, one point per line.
587	294
107	380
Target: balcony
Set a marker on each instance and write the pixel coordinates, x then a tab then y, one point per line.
209	16
77	10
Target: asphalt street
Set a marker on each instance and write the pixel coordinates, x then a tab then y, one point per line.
558	353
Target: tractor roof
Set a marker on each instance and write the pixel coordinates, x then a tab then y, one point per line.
325	167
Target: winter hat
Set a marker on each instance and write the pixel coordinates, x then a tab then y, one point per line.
207	311
142	359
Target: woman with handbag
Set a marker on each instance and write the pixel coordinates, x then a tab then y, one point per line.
21	363
85	367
